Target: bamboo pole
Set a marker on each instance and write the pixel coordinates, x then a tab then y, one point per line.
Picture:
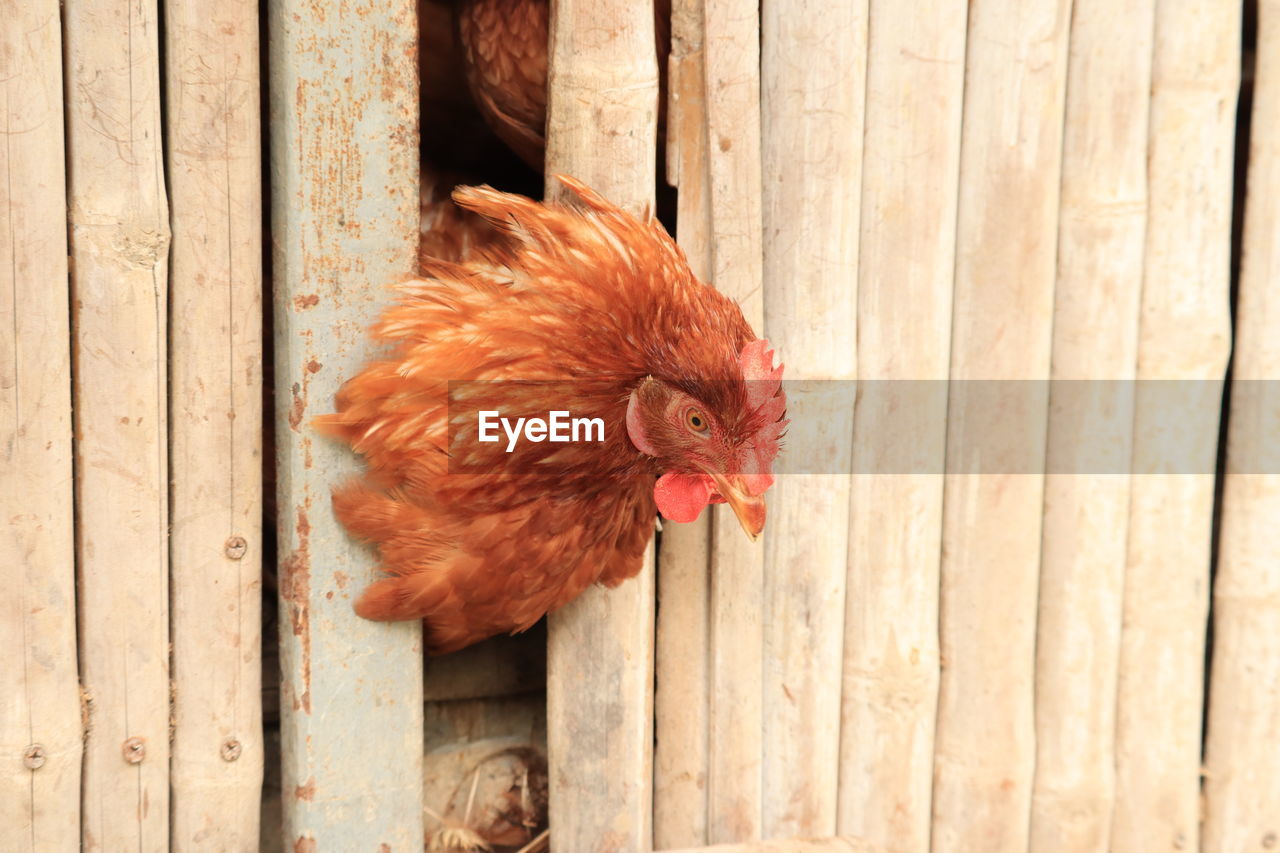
811	123
907	252
1095	336
119	250
1006	229
40	730
216	417
731	67
1185	336
344	161
1242	787
601	128
682	689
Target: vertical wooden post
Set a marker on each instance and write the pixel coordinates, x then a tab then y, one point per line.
813	70
1101	231
214	148
915	85
681	649
1184	336
731	65
1007	227
120	261
40	732
344	163
601	128
1241	783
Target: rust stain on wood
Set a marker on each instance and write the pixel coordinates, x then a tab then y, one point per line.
306	792
296	587
298	406
310	300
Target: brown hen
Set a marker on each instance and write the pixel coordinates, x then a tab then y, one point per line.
578	307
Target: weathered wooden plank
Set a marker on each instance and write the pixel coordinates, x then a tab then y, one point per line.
792	845
119	249
681	651
1102	227
813	81
1007	226
215	363
1184	335
907	251
1241	784
40	732
344	161
602	128
731	68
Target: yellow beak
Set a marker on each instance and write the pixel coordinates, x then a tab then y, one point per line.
750	509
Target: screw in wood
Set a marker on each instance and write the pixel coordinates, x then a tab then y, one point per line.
231	749
34	757
235	547
134	750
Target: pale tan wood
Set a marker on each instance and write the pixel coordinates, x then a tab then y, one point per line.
602	129
1001	328
793	845
40	732
813	80
119	249
915	82
1101	235
214	147
1184	335
682	690
680	693
735	748
1241	784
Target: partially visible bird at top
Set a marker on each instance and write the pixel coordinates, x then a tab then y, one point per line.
575	306
504	49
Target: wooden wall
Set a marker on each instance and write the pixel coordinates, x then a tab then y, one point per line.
955	653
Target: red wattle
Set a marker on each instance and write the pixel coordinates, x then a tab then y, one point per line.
681	497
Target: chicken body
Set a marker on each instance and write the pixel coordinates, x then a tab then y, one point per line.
579	307
504	48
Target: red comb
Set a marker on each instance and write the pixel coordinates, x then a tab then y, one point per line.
763	379
766	398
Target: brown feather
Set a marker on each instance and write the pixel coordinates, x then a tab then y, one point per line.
580	294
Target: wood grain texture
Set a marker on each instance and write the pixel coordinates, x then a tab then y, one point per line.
1101	234
793	845
910	177
813	81
40	730
1241	786
214	169
119	251
344	164
681	652
1007	227
1185	336
731	68
602	129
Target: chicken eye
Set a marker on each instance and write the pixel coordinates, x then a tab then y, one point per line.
695	420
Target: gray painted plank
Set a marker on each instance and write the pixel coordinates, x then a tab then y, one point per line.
344	171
